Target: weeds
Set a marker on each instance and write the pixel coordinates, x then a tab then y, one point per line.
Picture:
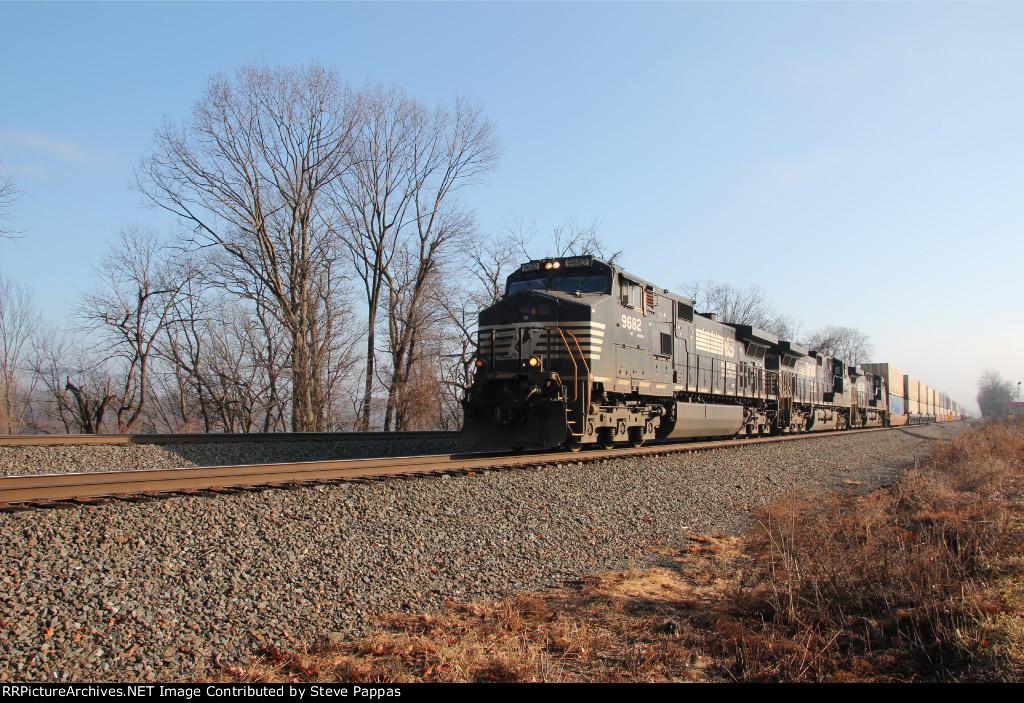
895	585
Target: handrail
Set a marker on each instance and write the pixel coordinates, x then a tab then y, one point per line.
585	366
576	372
575	367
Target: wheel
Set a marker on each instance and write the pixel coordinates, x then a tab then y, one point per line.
636	437
605	439
573	443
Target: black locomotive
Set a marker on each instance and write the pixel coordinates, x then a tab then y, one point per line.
580	351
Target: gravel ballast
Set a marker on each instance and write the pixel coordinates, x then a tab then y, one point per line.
178	587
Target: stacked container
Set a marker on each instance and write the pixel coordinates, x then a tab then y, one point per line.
894	383
911	391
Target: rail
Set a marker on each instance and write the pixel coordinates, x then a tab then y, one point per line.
46	488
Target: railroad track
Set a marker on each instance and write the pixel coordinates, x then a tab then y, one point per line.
48	488
228	438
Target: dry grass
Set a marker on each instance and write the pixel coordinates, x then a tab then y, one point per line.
918	582
624	626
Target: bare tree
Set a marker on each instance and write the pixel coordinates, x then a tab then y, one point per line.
458	148
740	306
225	365
481	274
453	360
428	403
375	196
476	281
993	394
408	164
411	314
19	325
342	362
244	370
79	390
251	172
184	404
9	195
139	282
848	344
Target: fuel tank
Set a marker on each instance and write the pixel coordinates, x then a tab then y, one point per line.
701	420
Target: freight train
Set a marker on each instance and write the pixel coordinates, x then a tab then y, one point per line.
579	351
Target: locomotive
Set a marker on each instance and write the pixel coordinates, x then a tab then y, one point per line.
579	351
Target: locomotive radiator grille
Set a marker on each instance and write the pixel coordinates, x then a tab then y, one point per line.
527	339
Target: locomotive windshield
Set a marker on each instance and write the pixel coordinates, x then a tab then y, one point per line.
586	283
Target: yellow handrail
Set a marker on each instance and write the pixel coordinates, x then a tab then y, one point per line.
576	369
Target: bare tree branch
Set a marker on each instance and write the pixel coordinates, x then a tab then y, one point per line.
9	196
848	344
19	327
740	306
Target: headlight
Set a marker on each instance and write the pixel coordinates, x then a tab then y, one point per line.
534	362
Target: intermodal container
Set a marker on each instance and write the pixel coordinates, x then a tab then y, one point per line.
911	388
897	406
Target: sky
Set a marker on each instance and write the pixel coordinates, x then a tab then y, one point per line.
863	162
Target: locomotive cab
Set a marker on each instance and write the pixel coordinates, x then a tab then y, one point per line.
536	345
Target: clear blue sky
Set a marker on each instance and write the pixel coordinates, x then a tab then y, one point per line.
861	162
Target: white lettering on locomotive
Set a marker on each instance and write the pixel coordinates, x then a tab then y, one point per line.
633	324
